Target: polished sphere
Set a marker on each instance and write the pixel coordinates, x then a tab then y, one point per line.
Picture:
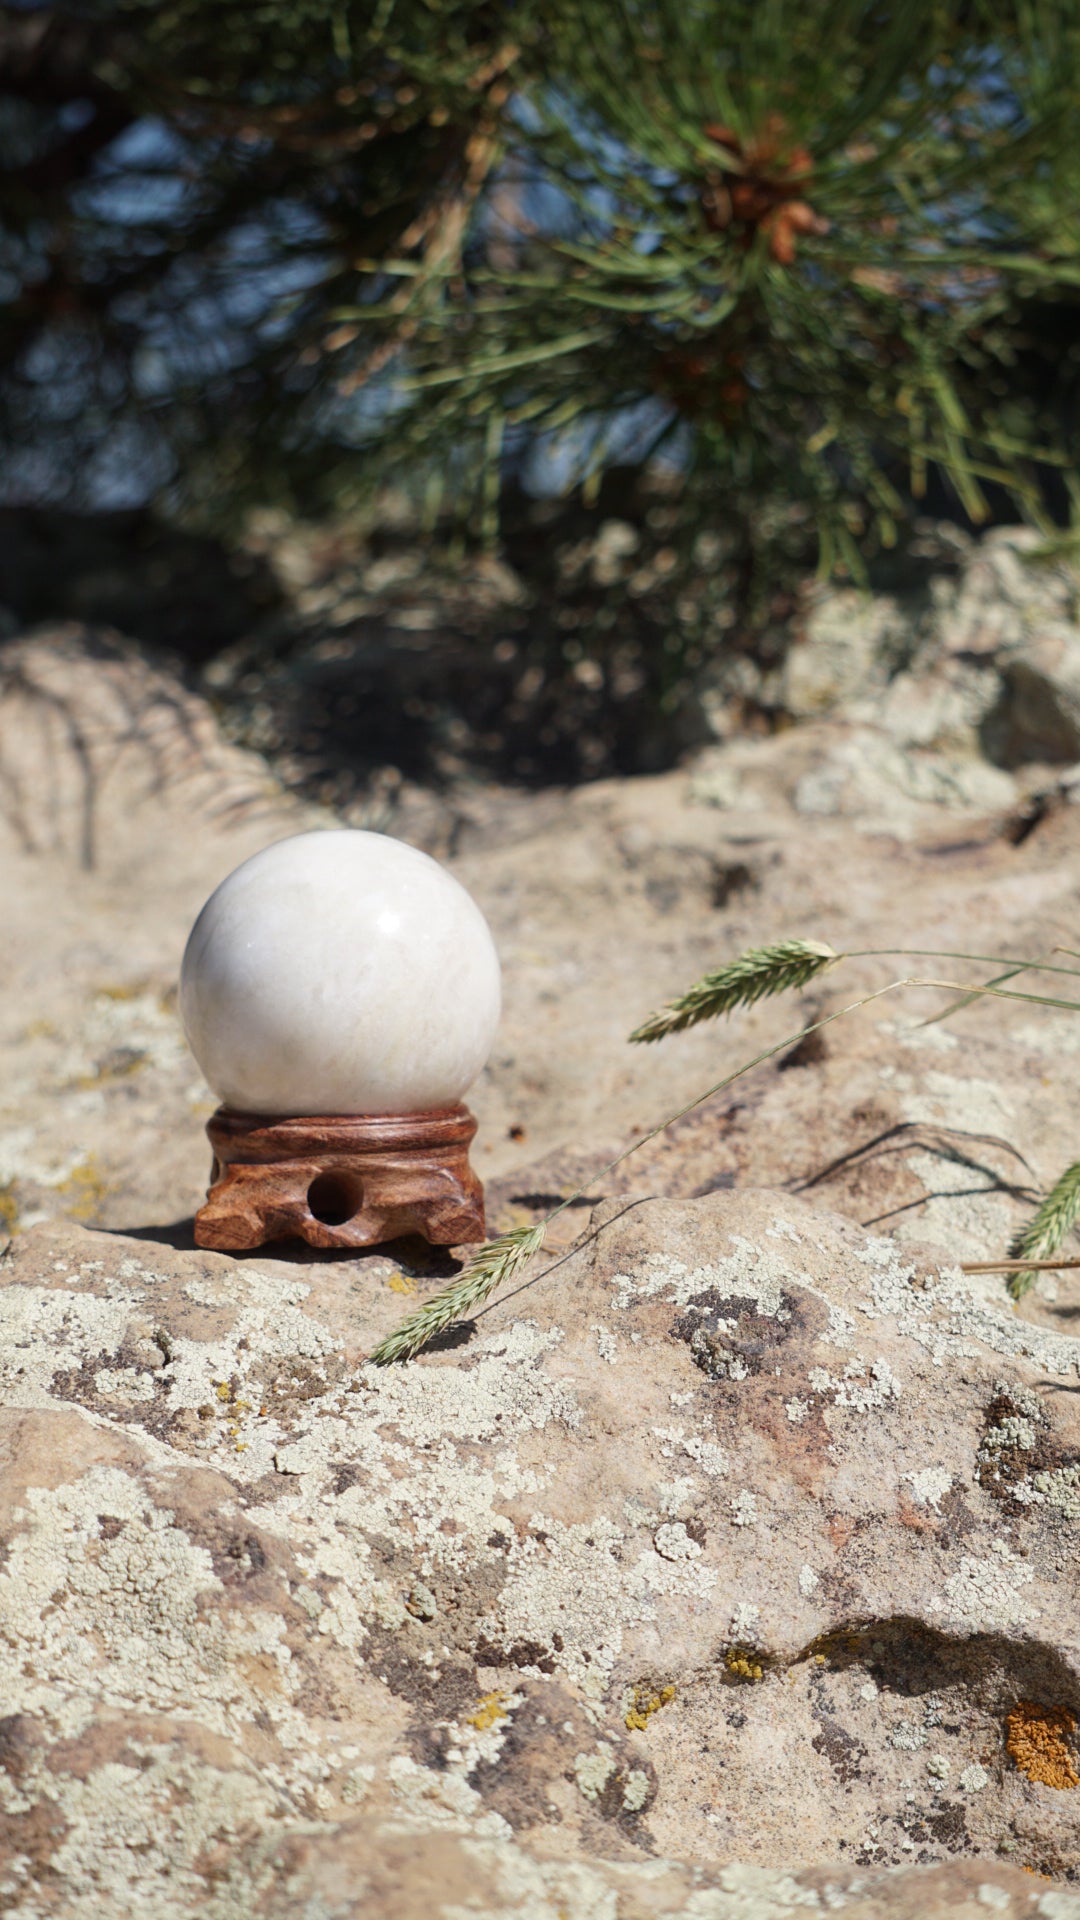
340	972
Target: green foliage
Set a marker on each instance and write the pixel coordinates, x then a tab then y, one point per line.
1047	1230
793	236
172	259
792	249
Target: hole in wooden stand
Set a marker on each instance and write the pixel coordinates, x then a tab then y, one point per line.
334	1198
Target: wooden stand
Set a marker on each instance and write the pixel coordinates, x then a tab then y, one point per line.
344	1180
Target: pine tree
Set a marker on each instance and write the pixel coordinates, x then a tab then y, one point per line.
187	191
300	245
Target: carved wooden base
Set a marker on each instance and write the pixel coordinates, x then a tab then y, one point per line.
344	1180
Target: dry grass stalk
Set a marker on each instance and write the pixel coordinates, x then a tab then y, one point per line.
759	974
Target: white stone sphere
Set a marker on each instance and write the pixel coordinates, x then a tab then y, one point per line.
340	972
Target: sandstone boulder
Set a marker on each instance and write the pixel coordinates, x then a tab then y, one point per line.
739	1541
724	1573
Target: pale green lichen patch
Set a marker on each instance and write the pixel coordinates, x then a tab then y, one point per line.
636	1791
749	1273
607	1786
578	1582
102	1599
1014	1431
135	1830
907	1737
122	1030
45	1331
743	1511
863	1386
592	1771
987	1592
950	1317
929	1485
1060	1488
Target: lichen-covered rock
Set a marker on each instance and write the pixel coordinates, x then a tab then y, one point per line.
982	658
725	1573
731	1544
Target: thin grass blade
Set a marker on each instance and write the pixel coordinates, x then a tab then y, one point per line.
968	999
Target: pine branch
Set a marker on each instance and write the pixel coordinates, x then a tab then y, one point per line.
490	1267
755	975
1048	1227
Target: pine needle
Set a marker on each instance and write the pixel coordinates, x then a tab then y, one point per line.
755	975
493	1264
1048	1227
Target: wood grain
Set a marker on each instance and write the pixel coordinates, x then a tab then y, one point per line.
341	1180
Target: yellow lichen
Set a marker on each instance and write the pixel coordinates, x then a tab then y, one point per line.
644	1702
1038	1742
119	1065
744	1663
401	1283
511	1218
491	1709
833	1646
9	1208
87	1190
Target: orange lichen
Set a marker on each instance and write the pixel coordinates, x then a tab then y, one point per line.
1038	1743
645	1702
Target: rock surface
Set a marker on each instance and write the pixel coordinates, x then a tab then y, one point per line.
726	1572
739	1540
983	657
604	902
